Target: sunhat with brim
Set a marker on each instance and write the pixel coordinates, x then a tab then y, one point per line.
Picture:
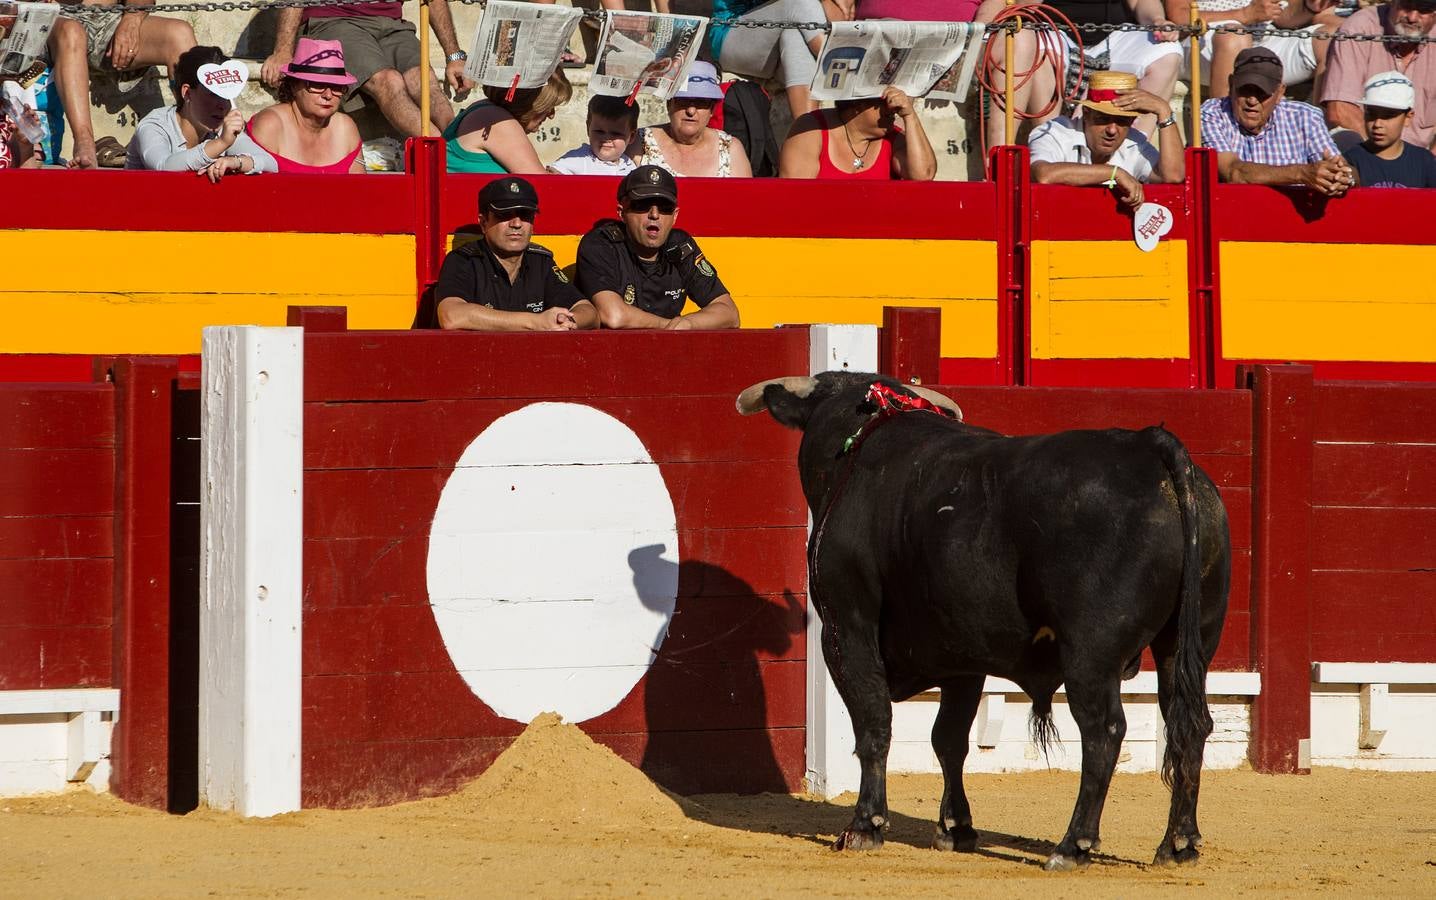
702	83
1105	87
1389	90
318	61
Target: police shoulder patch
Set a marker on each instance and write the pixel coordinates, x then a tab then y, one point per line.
560	275
704	266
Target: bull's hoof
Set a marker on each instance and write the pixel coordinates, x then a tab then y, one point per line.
1061	862
962	839
854	839
1178	851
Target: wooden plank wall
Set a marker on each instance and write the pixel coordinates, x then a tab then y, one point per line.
1373	549
57	497
387	716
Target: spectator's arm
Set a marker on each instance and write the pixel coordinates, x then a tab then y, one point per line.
614	313
738	164
157	154
286	32
1340	114
799	156
1150	12
913	158
441	20
720	312
1078	174
1172	152
1327	176
585	315
261	160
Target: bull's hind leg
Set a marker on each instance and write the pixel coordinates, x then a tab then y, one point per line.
858	674
1183	838
1096	704
960	699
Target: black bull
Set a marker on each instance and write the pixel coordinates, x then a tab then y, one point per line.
943	552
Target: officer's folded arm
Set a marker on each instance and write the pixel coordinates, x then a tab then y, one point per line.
614	313
721	312
456	314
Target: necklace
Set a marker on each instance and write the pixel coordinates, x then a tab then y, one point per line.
859	159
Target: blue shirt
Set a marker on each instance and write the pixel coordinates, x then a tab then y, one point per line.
726	9
1295	134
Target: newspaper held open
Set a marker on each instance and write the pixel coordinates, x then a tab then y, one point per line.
526	40
645	53
24	31
861	59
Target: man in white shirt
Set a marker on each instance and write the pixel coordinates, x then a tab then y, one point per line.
1100	147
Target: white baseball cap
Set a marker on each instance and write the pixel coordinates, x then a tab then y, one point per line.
1389	90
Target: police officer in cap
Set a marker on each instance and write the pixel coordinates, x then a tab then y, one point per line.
503	282
639	269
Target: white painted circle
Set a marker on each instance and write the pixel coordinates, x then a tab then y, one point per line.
553	562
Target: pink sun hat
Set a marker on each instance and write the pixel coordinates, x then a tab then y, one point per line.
319	61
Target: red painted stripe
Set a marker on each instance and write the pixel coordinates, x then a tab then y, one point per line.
969	370
64	367
1374	616
49	536
1347	370
57	482
1063	213
56	417
1299	216
740	761
34	658
379	365
1234	652
1375	413
178	201
717	207
57	592
1136	373
348	775
1372	538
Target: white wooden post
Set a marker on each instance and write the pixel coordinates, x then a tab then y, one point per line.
832	768
250	574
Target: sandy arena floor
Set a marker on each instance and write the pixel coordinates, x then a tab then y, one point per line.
560	816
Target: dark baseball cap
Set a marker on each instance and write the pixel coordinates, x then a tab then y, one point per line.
1258	67
511	192
646	182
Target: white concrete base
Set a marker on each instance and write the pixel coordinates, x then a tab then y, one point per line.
1409	740
51	739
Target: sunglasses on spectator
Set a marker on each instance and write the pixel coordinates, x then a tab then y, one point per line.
504	215
315	87
665	207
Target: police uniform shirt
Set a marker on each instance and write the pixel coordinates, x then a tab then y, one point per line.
606	263
474	274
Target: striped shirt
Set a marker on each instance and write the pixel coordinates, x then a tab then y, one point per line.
1294	135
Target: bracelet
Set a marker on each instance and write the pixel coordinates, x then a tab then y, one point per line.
457	56
1169	120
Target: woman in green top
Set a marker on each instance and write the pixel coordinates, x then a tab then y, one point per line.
493	134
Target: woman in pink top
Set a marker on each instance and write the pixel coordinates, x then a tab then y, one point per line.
305	132
860	139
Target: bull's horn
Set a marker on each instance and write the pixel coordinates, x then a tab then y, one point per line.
751	400
937	399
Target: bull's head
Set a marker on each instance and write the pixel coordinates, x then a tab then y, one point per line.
793	400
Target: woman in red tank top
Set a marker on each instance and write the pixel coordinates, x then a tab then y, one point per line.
860	139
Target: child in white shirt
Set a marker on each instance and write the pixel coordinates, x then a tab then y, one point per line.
612	122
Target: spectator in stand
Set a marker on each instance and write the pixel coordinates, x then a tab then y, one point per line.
16	151
686	145
1154	57
201	133
918	10
1352	63
95	36
612	123
789	54
492	135
860	139
638	269
305	132
1300	59
1384	159
1261	138
504	281
383	54
1102	148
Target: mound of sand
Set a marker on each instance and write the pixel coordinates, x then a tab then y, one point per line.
555	772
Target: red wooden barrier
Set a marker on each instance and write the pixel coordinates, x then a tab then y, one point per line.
909	346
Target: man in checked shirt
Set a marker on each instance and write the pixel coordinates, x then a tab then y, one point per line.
1262	138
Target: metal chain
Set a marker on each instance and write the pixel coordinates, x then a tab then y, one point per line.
597	16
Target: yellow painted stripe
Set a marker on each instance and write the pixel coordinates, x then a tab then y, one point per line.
1328	302
1108	300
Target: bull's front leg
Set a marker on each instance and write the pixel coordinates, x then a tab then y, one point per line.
857	671
950	730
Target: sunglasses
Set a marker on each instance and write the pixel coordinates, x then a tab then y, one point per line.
664	207
315	87
505	215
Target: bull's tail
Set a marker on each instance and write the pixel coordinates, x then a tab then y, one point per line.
1044	730
1189	721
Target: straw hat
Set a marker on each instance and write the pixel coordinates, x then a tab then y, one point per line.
1102	90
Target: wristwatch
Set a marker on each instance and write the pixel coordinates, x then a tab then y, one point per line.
457	56
1169	120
